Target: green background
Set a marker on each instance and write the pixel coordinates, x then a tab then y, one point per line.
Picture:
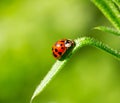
29	28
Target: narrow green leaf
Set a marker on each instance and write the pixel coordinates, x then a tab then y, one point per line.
110	10
79	43
117	2
109	30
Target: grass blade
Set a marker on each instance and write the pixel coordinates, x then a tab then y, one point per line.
117	2
108	29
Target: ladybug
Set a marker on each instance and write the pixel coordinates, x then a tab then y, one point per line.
60	47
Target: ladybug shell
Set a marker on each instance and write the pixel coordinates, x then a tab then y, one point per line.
60	47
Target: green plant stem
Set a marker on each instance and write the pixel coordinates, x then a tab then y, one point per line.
90	41
79	43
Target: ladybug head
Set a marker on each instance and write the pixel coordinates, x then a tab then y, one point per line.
68	43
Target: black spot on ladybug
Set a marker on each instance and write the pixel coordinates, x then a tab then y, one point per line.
59	53
62	47
60	44
52	49
62	41
56	50
54	55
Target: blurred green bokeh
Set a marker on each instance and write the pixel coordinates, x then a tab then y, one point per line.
28	29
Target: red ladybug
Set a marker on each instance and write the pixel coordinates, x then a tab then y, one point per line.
60	47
